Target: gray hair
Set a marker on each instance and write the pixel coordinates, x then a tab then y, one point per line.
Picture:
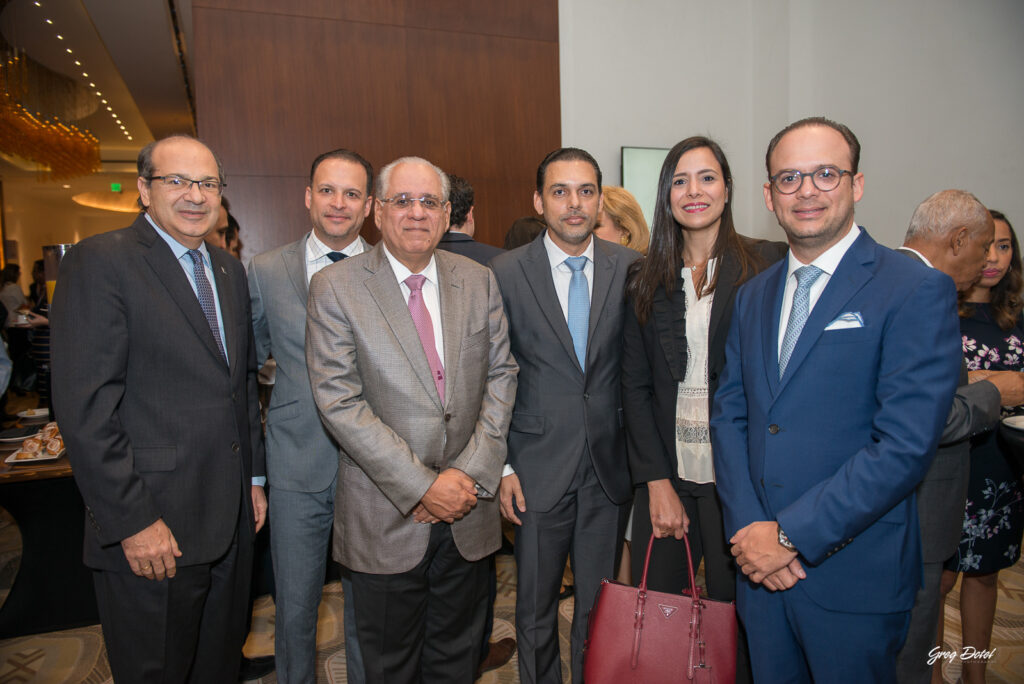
384	177
945	211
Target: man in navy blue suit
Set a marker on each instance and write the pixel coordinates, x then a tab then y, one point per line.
840	370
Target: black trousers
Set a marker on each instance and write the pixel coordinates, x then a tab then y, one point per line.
424	625
667	572
189	628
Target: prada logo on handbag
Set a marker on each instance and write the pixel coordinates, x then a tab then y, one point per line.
667	610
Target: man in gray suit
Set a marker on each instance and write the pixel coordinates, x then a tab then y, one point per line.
950	231
409	361
154	378
302	459
567	484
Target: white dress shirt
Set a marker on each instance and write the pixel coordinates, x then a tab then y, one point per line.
828	262
431	294
561	274
316	254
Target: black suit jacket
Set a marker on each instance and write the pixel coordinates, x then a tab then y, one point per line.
560	408
460	243
654	363
156	424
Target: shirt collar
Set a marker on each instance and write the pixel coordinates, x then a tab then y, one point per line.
829	260
177	248
920	256
316	249
402	272
557	256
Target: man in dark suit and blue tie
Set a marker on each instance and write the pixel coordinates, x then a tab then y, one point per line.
567	483
154	377
840	370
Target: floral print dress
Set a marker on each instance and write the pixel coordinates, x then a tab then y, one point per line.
994	515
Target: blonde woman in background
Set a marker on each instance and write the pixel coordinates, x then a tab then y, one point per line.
622	220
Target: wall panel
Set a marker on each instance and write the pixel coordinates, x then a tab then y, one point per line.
471	86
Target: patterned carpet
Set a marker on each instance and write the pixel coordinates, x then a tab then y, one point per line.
78	657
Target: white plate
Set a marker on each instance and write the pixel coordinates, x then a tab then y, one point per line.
13	460
1015	422
35	413
16	440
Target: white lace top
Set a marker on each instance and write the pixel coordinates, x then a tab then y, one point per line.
693	436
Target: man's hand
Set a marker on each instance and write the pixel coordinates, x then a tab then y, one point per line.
451	496
510	498
758	551
422	515
783	579
259	506
668	519
1009	383
151	552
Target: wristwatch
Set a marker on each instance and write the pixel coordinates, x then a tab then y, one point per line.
784	541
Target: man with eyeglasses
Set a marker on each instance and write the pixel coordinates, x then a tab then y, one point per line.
840	370
302	459
154	378
408	355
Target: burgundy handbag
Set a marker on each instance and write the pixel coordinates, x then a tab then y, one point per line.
647	637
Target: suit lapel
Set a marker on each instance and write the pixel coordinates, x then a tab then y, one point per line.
452	315
161	259
604	271
537	270
728	273
386	293
294	257
771	309
850	276
669	317
228	311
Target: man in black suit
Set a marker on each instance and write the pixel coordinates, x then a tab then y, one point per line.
154	377
459	237
566	484
950	231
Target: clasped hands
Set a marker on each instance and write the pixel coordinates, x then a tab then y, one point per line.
763	559
450	497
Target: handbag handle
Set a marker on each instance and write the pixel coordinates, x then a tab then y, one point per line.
694	589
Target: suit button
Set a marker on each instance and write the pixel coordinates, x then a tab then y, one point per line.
773	428
447	417
234	396
586	397
235	447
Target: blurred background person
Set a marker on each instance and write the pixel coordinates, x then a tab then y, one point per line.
680	299
622	220
522	231
462	225
993	334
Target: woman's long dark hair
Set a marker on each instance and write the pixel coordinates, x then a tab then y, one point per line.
1006	302
665	254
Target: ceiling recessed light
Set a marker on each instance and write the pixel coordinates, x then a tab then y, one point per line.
99	94
92	85
110	109
37	4
60	37
49	21
103	101
129	137
85	74
69	51
66	186
77	63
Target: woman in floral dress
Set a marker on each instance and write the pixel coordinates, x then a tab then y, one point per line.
993	339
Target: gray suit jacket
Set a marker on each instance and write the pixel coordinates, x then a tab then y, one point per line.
943	492
559	408
372	384
301	456
157	425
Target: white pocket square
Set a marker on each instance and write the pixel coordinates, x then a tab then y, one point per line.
850	319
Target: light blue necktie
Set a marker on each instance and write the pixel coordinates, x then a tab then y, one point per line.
579	307
205	294
805	277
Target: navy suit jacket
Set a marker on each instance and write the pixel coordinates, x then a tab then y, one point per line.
834	449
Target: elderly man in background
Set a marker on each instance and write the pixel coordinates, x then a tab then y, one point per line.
409	361
154	378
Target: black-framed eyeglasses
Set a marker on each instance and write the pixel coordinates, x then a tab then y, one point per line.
404	201
825	178
207	186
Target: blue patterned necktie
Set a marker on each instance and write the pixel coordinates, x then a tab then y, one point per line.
206	297
336	256
579	307
805	277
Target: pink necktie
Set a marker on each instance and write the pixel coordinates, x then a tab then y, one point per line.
425	328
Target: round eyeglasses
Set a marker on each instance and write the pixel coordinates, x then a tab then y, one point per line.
825	178
404	201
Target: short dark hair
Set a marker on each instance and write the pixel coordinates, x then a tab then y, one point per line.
10	273
839	128
566	154
462	197
144	163
347	155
